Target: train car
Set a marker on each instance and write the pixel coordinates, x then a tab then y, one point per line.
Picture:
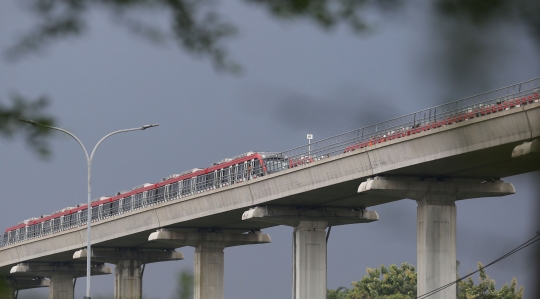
241	168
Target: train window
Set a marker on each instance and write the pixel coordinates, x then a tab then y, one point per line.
274	164
71	219
29	233
200	182
95	211
222	177
21	233
210	180
257	170
240	172
138	200
173	190
83	216
105	210
193	184
225	175
47	227
219	177
126	204
5	238
232	175
186	187
114	207
249	169
56	224
160	194
149	197
65	221
37	229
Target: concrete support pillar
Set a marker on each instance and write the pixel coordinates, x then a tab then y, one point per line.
436	245
61	286
128	279
130	263
310	260
309	253
209	271
209	256
60	275
436	221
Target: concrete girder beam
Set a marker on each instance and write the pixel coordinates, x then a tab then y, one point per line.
436	222
194	239
310	250
50	269
420	190
209	256
114	256
293	217
129	269
61	275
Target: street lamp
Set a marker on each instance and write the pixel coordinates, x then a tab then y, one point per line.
89	208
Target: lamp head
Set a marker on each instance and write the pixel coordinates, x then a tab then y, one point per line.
149	126
33	123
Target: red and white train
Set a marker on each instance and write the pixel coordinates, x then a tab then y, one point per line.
250	165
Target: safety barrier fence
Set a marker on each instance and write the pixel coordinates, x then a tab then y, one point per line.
428	119
492	102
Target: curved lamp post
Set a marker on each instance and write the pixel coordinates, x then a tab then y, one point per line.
89	208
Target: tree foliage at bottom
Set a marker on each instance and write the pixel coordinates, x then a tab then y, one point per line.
400	283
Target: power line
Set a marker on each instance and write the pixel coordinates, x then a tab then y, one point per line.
526	244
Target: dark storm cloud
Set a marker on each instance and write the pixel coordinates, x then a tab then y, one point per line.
343	110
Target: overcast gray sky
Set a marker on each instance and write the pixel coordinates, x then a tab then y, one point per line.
297	79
